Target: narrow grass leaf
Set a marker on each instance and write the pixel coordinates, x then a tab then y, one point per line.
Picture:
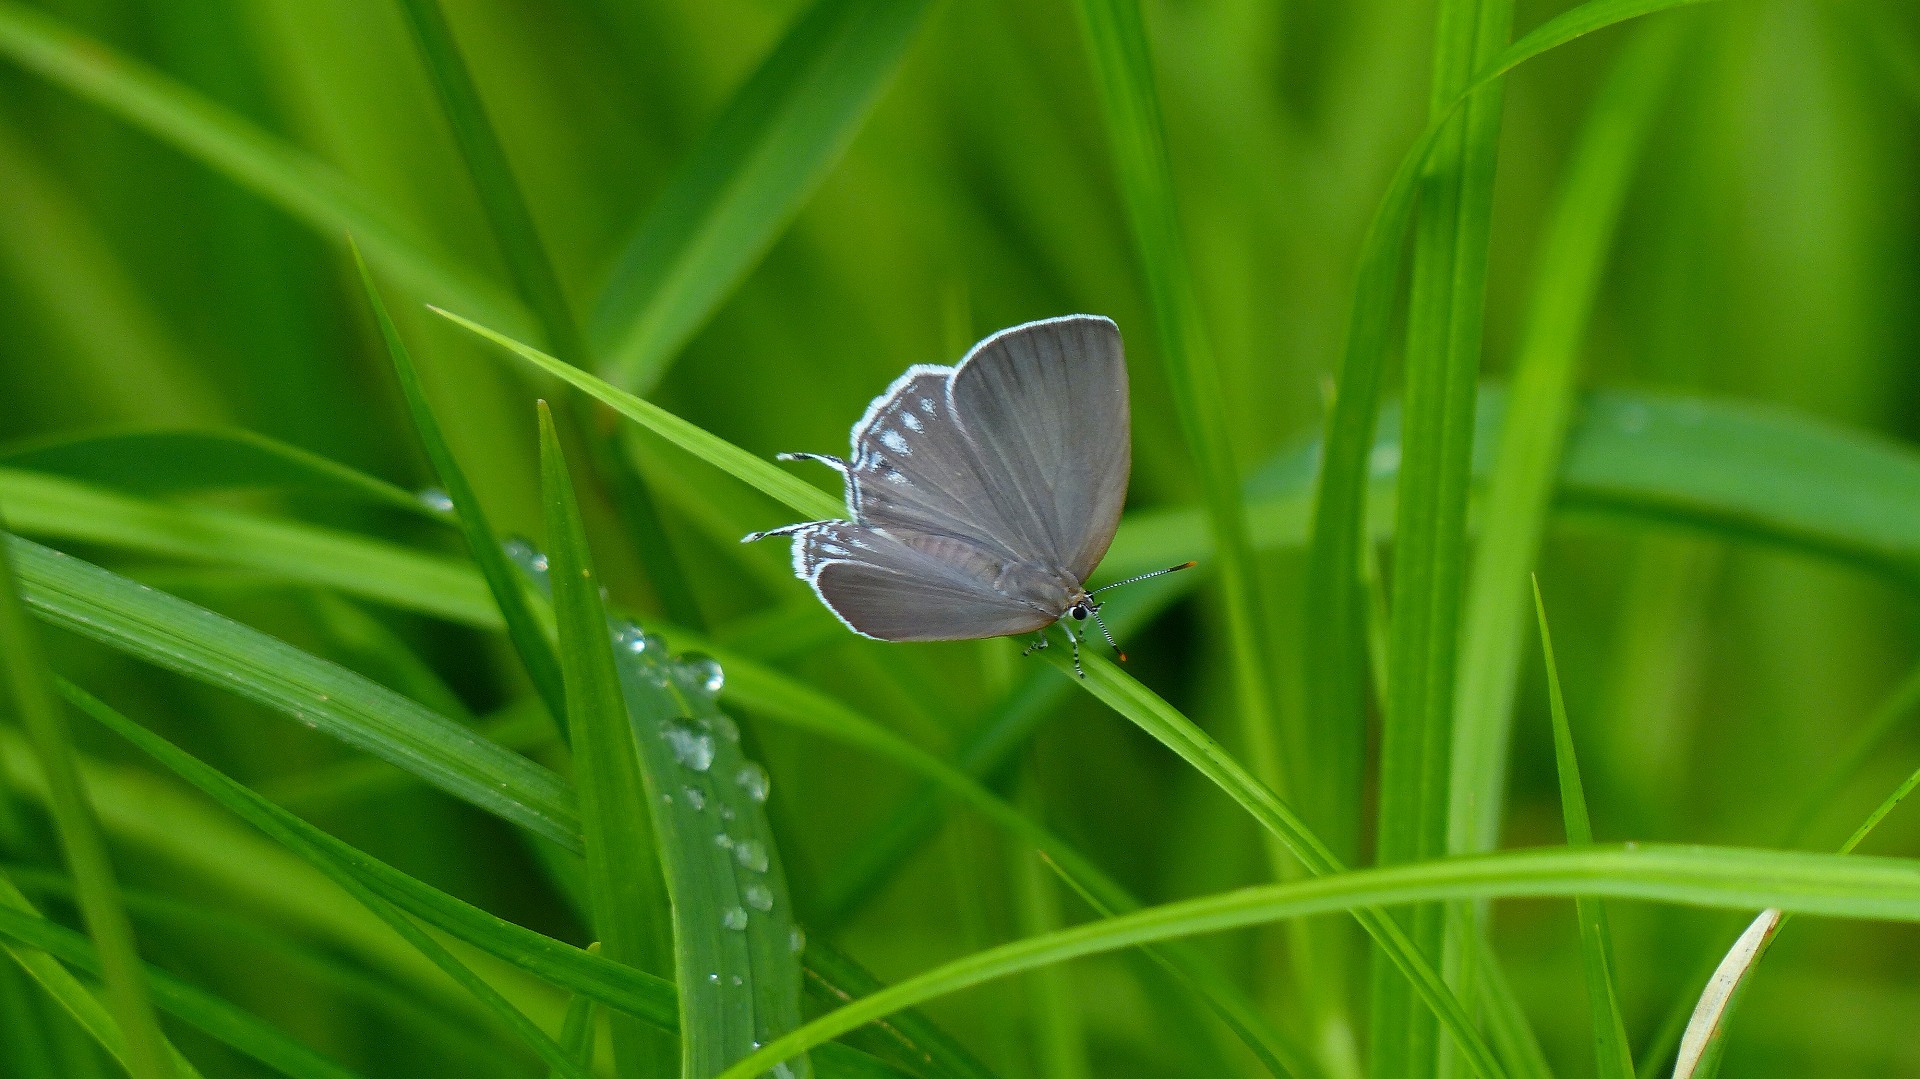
500	195
179	636
622	862
1166	725
37	961
31	700
1275	1051
210	1014
724	455
1445	316
148	461
1612	1058
1539	411
740	186
60	508
308	189
576	1030
523	629
1117	41
1725	877
447	1025
833	978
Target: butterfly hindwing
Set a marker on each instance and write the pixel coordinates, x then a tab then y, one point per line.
916	587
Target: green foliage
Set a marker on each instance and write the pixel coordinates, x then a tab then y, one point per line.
1419	302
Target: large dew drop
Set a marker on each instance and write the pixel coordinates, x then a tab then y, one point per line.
758	896
701	673
751	854
524	555
436	500
734	919
753	780
690	741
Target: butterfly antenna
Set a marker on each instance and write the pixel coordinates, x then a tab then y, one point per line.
1144	576
1108	635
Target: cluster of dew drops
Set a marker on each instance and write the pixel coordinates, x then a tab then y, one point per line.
691	739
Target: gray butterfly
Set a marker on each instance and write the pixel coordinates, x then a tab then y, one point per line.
982	495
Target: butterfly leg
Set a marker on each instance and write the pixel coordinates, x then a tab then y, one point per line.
1039	642
1074	639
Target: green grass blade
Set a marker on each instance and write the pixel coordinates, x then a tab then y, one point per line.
309	190
500	196
1540	407
31	700
738	189
204	1011
724	455
1334	603
1567	26
1272	1047
614	984
834	978
1445	313
47	969
514	229
1507	1025
59	508
1166	725
148	461
1725	877
1054	1020
576	1031
211	648
1612	1059
452	1025
736	947
1116	39
622	861
529	639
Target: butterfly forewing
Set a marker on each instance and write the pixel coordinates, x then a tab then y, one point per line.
1045	405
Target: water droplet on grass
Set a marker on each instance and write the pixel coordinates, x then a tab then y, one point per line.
702	673
436	500
753	779
751	854
734	919
690	741
758	896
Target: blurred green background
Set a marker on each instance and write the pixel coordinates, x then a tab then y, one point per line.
1766	252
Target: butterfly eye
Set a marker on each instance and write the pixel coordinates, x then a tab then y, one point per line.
1079	612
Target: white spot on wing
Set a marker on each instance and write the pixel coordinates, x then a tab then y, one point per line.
896	442
912	421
